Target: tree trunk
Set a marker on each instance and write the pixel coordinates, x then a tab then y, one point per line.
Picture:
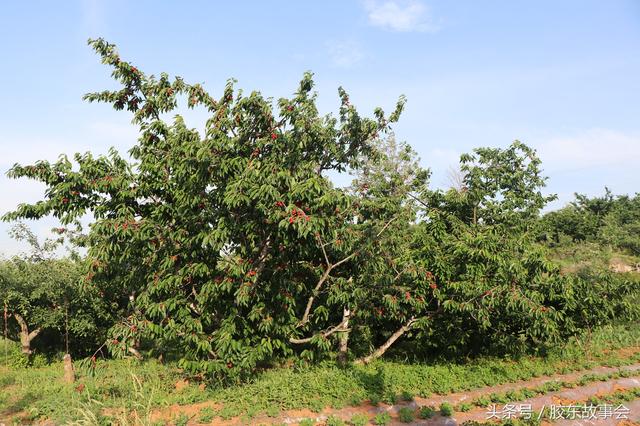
25	336
69	374
386	345
344	336
133	351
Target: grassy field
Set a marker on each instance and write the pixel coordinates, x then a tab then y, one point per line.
117	387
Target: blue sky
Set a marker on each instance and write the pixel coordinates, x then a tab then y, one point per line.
562	77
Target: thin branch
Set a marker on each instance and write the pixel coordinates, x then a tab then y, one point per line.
338	328
307	310
324	252
327	272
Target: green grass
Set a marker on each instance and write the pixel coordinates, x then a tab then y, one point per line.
130	384
207	414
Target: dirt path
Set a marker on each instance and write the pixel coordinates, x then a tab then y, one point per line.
479	414
566	397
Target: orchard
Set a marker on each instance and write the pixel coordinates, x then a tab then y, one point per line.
231	250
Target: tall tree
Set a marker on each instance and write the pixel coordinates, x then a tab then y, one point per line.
211	241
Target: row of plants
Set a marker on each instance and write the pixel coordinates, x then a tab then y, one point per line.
552	386
127	385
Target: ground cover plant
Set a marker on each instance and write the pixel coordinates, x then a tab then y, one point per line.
130	384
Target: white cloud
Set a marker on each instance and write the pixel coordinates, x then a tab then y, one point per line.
345	54
400	15
592	148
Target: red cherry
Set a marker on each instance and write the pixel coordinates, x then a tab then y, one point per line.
274	136
433	286
229	365
65	200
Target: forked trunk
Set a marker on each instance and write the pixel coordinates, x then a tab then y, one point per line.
25	336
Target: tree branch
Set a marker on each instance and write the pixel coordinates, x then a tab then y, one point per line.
327	272
390	341
338	328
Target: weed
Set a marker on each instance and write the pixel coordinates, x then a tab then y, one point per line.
334	421
273	411
464	407
355	400
483	401
426	412
359	420
382	419
391	398
206	415
181	420
406	415
446	409
407	396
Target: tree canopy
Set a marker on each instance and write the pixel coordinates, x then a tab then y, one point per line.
232	248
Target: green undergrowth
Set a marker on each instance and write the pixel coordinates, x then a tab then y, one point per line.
126	385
